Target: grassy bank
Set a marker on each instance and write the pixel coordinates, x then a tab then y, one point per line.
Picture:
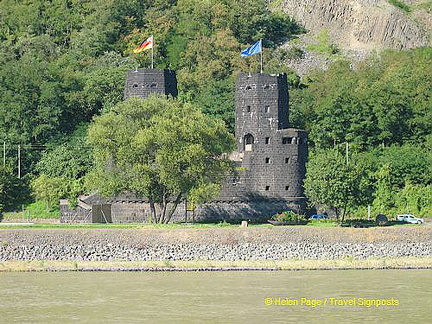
316	224
168	265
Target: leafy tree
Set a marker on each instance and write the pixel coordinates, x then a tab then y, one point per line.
159	148
62	169
71	159
333	182
385	101
13	191
415	199
50	190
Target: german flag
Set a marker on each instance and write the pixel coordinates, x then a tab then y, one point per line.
147	44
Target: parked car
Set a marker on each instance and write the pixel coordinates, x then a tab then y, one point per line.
319	216
409	218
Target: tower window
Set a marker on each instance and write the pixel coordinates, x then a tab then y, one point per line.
267	140
135	85
286	160
267	109
267	188
248	87
287	140
235	180
267	159
286	187
248	142
248	108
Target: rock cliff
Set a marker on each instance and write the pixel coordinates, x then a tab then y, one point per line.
363	24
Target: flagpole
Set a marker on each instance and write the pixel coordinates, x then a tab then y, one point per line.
261	55
152	53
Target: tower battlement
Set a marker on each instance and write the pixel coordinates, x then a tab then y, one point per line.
143	82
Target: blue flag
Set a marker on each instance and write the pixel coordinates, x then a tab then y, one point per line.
251	50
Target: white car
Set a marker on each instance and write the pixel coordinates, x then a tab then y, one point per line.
408	218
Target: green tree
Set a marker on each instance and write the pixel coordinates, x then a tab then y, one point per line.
50	190
161	149
13	191
385	101
332	182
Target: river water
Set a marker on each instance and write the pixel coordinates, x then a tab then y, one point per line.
218	297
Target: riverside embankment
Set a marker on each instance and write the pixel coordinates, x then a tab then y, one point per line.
249	247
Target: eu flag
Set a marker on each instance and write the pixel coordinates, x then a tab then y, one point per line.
251	50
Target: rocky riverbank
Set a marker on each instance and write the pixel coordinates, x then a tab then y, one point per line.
221	245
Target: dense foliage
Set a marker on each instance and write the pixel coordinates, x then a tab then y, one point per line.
386	101
383	111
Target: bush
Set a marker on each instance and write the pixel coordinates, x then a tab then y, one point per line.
322	44
288	216
400	5
294	53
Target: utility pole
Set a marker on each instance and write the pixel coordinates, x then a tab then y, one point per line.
346	152
19	161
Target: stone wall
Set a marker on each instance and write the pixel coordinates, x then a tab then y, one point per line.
134	210
215	244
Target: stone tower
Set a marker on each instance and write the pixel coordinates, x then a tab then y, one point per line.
143	82
272	155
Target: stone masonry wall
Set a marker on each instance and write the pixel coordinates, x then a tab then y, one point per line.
215	244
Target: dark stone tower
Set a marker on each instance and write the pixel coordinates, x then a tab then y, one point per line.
143	82
272	156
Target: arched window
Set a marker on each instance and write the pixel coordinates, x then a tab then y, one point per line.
248	142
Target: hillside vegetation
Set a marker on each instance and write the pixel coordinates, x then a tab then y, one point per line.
64	61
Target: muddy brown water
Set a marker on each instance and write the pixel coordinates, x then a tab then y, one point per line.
350	296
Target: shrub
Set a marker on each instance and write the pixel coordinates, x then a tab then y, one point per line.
288	216
294	53
400	5
322	44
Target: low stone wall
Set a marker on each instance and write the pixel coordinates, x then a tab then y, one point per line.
215	244
128	211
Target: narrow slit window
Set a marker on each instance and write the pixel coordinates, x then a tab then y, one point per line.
267	188
286	160
267	109
267	140
267	160
286	187
248	108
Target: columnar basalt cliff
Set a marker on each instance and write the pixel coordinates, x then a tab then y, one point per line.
270	158
362	24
